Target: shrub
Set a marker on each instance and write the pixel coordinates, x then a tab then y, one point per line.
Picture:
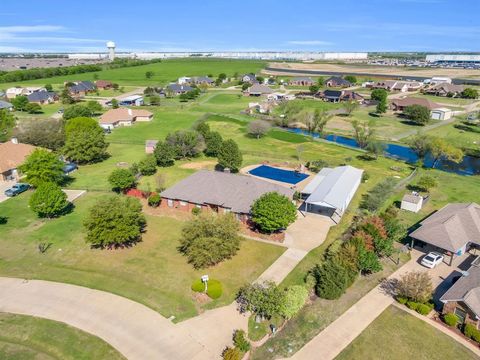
423	309
231	354
240	341
213	143
450	319
332	279
148	166
418	114
258	128
154	200
471	332
48	200
412	305
42	166
375	198
273	211
121	179
426	182
316	165
402	300
294	299
196	211
164	153
208	239
229	156
262	299
416	286
214	288
185	143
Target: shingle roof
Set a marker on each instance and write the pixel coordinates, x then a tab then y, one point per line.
237	192
338	80
414	199
466	289
409	101
41	96
5	105
113	116
12	155
452	227
260	89
302	78
179	88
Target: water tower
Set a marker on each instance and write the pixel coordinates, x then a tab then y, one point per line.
111	50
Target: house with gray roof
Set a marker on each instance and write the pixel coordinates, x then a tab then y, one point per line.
249	78
331	190
177	89
42	97
5	105
337	81
302	81
221	192
258	90
454	228
463	298
197	80
80	88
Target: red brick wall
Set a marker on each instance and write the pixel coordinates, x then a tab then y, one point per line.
450	306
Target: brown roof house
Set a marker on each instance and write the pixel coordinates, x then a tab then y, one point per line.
123	117
445	89
463	298
103	84
12	155
336	81
395	85
219	192
258	90
401	104
453	229
302	81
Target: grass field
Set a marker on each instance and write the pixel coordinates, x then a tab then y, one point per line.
153	272
446	100
397	335
30	338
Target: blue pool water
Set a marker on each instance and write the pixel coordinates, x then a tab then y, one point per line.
469	166
286	176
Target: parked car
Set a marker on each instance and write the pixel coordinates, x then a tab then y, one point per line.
432	259
69	167
16	189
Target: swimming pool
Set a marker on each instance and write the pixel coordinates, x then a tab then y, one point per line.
286	176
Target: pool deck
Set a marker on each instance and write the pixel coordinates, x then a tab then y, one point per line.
298	186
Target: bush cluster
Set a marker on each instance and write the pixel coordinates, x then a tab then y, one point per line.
375	198
214	288
450	319
471	332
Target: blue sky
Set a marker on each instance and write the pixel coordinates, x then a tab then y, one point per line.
185	25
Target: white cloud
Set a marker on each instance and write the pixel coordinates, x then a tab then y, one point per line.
309	42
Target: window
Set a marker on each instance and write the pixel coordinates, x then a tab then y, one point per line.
183	203
198	206
170	203
461	314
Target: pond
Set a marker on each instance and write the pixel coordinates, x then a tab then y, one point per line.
470	165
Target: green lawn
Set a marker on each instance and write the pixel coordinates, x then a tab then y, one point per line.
30	338
397	335
446	100
153	272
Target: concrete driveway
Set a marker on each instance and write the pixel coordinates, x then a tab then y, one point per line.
4	185
308	232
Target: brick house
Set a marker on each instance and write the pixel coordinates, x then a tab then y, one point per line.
12	155
123	117
103	84
337	81
220	192
302	81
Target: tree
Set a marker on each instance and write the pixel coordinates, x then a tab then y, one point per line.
320	81
48	87
229	156
426	182
94	107
362	132
294	299
48	200
349	107
375	148
76	111
469	93
42	166
114	103
260	79
164	154
155	100
368	262
204	86
263	299
415	286
245	86
332	279
320	120
273	211
65	97
33	108
20	102
419	114
186	143
213	143
48	133
149	74
114	222
441	149
314	88
148	166
381	107
420	145
202	127
379	94
306	117
7	122
208	239
258	128
351	78
85	140
121	179
222	76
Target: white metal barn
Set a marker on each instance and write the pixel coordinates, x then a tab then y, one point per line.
441	114
331	191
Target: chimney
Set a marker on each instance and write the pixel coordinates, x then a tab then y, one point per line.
14	140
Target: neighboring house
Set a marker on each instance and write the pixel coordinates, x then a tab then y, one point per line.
441	114
453	229
400	86
412	202
336	81
280	97
81	88
150	146
341	95
445	89
12	155
133	100
463	298
17	91
103	84
302	81
197	80
331	191
258	90
6	105
43	97
401	104
123	117
439	80
249	78
184	80
177	89
219	192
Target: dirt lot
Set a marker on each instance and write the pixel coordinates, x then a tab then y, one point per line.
380	70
